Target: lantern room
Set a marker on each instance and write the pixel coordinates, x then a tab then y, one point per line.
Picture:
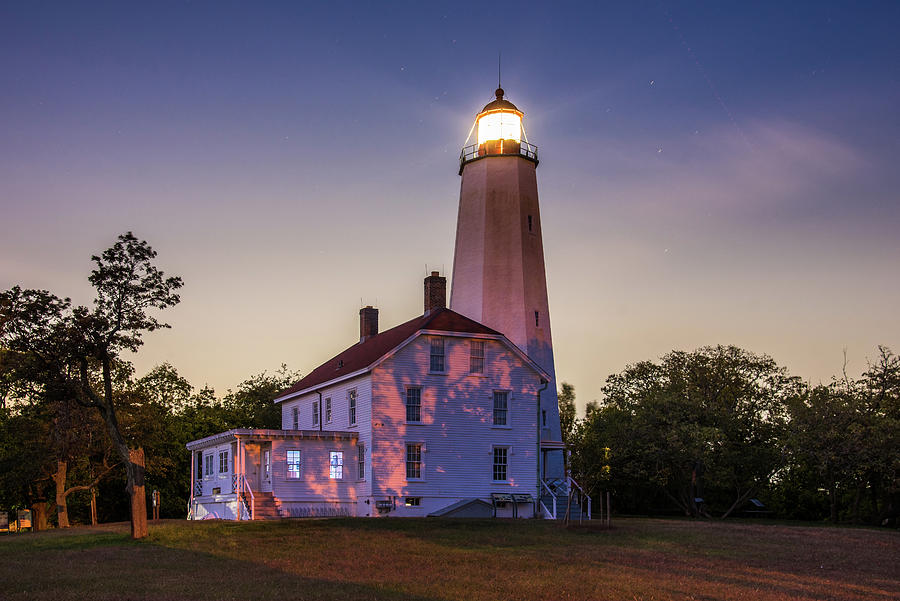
498	132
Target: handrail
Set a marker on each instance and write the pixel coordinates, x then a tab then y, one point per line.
572	481
552	494
244	483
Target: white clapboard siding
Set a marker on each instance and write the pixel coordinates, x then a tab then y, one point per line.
456	432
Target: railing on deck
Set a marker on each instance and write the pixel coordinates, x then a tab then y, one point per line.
474	151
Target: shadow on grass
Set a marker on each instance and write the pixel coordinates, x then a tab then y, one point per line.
110	566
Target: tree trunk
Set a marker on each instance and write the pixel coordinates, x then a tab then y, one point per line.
93	506
59	479
39	515
834	511
138	497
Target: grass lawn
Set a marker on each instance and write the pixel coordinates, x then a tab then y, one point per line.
426	559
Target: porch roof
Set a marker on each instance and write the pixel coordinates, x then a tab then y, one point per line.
262	434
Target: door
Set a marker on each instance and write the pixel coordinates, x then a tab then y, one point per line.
251	465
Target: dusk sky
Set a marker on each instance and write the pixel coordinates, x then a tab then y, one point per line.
713	172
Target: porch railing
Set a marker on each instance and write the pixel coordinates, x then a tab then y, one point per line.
552	513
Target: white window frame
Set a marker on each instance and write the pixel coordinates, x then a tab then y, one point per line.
208	465
418	407
495	411
351	406
421	460
507	451
412	501
295	417
288	463
223	454
327	410
437	343
476	356
336	469
360	462
315	414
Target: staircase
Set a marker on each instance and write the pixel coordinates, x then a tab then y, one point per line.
267	506
559	491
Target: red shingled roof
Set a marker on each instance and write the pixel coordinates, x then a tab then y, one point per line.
364	354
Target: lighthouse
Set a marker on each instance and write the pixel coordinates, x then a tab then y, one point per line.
499	277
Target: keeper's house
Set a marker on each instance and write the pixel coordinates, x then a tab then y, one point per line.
439	415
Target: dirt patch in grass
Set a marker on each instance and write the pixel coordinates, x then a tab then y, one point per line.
452	559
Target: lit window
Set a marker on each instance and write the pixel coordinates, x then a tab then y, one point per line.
413	461
413	404
501	407
295	418
476	356
292	459
209	464
336	465
315	413
223	462
351	402
500	125
361	460
413	501
437	354
327	411
500	457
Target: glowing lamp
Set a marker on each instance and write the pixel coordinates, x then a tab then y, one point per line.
499	126
498	131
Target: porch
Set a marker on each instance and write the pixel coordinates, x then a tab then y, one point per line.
252	474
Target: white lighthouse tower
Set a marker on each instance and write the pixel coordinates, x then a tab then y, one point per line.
498	266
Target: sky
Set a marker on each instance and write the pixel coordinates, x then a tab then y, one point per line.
711	172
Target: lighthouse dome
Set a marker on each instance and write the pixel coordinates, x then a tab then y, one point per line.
499	103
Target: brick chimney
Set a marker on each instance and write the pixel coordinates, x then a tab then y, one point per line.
368	323
435	292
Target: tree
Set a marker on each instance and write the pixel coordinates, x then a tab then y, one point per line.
80	346
566	400
701	425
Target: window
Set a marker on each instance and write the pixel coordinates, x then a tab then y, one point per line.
315	413
501	407
544	417
476	356
292	459
295	418
437	354
413	501
500	457
413	461
223	462
361	460
413	404
530	224
537	321
327	411
209	466
336	465
351	403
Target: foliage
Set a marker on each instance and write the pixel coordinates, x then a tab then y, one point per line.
566	400
702	428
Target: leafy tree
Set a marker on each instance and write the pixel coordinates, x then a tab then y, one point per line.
701	425
566	400
80	346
